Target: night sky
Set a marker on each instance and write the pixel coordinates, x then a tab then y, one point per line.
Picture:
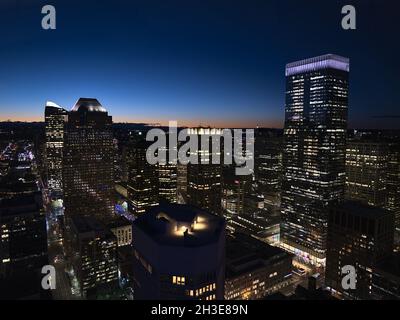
205	62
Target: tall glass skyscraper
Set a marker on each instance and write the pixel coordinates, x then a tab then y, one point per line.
55	119
314	151
88	168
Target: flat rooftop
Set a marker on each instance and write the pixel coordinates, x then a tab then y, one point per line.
181	225
361	209
245	254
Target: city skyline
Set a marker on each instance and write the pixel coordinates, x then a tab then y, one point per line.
209	64
203	150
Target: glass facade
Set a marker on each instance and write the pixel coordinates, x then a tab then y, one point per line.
55	120
314	151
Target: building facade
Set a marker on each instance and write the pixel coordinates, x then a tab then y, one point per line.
88	169
314	151
179	254
95	261
55	121
359	236
255	269
366	169
143	180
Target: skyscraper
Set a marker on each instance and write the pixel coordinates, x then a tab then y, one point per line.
143	179
360	236
366	168
95	259
204	179
314	151
393	182
167	179
55	120
179	254
23	245
268	173
88	171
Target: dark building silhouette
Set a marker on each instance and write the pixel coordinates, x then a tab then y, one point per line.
179	254
23	246
88	168
360	236
314	151
95	259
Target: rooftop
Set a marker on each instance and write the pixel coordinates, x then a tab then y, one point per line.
181	225
88	105
359	208
245	254
327	61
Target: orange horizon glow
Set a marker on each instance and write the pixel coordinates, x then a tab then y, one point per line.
231	123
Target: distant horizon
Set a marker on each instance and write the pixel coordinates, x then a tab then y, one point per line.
149	124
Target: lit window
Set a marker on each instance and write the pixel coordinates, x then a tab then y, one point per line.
178	280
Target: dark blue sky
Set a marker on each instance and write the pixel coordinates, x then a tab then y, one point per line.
196	61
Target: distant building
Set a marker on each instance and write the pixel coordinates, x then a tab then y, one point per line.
254	269
313	152
204	180
88	169
268	164
179	254
366	168
393	182
360	236
234	190
95	261
143	181
122	229
181	183
55	120
167	181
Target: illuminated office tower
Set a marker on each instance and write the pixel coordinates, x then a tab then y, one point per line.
167	180
393	182
204	180
360	236
88	169
314	151
55	120
179	254
181	183
366	167
268	173
143	179
234	190
95	259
